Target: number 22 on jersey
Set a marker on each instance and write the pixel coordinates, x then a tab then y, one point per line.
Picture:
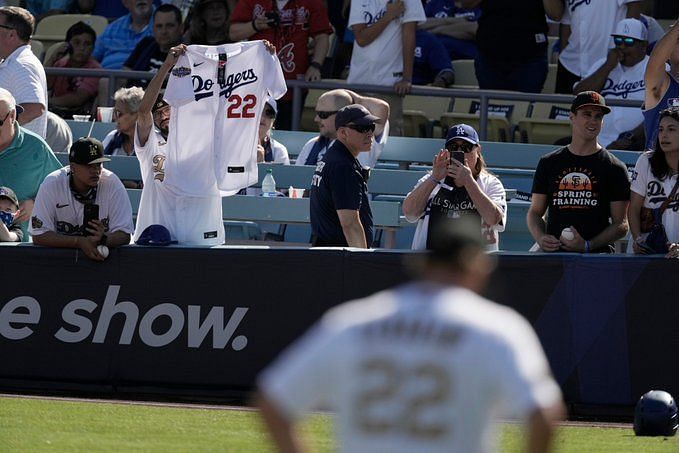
241	107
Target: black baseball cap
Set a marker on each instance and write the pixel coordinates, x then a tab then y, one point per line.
591	99
160	103
6	192
87	151
354	114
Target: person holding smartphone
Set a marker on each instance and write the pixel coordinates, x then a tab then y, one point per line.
83	205
458	185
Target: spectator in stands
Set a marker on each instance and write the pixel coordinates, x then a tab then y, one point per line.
59	136
327	106
120	142
21	73
339	208
432	64
25	158
655	30
110	10
74	94
44	8
655	180
582	185
586	28
289	29
209	23
384	49
512	43
58	217
117	42
151	51
621	76
454	189
662	87
455	27
268	149
10	230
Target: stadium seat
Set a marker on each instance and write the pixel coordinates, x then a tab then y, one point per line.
38	48
465	73
421	114
52	49
416	124
550	83
501	117
547	123
53	28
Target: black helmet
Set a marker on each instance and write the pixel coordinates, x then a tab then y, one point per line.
656	414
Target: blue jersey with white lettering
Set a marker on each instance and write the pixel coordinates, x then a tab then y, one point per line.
652	116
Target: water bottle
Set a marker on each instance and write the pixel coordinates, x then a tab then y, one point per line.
269	184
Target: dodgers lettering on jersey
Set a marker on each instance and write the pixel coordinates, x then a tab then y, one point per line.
216	107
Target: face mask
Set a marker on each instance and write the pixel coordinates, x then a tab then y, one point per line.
7	218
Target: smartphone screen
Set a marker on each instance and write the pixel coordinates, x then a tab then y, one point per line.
90	212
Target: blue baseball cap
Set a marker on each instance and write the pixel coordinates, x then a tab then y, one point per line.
155	235
354	114
463	132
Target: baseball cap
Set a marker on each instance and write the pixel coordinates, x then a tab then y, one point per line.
159	104
87	151
272	102
6	192
155	235
631	28
464	132
354	114
590	98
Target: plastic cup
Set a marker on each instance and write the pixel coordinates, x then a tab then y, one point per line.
105	114
81	118
297	193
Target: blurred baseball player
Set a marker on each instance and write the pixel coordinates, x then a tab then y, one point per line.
423	367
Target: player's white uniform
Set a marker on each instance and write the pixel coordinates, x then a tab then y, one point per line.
419	368
190	220
214	127
57	210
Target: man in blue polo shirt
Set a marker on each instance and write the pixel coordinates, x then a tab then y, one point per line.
340	211
115	45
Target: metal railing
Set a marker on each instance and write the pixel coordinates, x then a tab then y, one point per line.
298	86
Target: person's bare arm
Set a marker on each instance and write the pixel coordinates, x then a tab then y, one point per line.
596	81
365	35
409	29
616	230
416	201
321	44
536	224
352	228
32	110
245	30
635	9
553	9
88	244
540	427
282	431
634	218
656	78
376	106
117	238
6	235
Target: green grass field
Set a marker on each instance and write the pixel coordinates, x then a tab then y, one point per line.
33	425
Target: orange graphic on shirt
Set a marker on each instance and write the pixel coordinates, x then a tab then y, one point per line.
575	181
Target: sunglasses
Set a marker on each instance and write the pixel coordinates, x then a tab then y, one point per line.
465	147
362	129
325	115
619	41
270	113
2	121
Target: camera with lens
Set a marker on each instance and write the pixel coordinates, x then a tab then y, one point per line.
273	19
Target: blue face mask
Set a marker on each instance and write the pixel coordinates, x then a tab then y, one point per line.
7	218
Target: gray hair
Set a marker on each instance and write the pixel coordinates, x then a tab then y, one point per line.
131	97
6	96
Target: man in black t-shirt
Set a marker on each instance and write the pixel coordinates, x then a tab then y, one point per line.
584	187
339	207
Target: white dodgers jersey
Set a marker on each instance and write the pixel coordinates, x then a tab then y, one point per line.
217	95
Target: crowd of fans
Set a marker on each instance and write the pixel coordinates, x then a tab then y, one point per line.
609	48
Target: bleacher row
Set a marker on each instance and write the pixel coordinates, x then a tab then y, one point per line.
403	162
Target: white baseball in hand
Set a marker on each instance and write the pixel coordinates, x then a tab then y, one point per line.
103	251
567	234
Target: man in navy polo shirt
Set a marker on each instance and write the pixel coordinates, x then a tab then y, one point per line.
340	212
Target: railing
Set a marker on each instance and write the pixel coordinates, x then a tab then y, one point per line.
297	86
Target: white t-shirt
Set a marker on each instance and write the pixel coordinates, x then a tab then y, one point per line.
584	46
214	130
655	192
623	82
492	187
190	220
57	210
421	368
280	153
22	75
381	61
367	159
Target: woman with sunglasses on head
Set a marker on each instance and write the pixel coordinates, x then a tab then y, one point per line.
655	184
458	185
268	149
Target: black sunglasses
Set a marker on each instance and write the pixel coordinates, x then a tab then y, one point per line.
270	113
2	121
325	115
628	42
362	129
465	147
